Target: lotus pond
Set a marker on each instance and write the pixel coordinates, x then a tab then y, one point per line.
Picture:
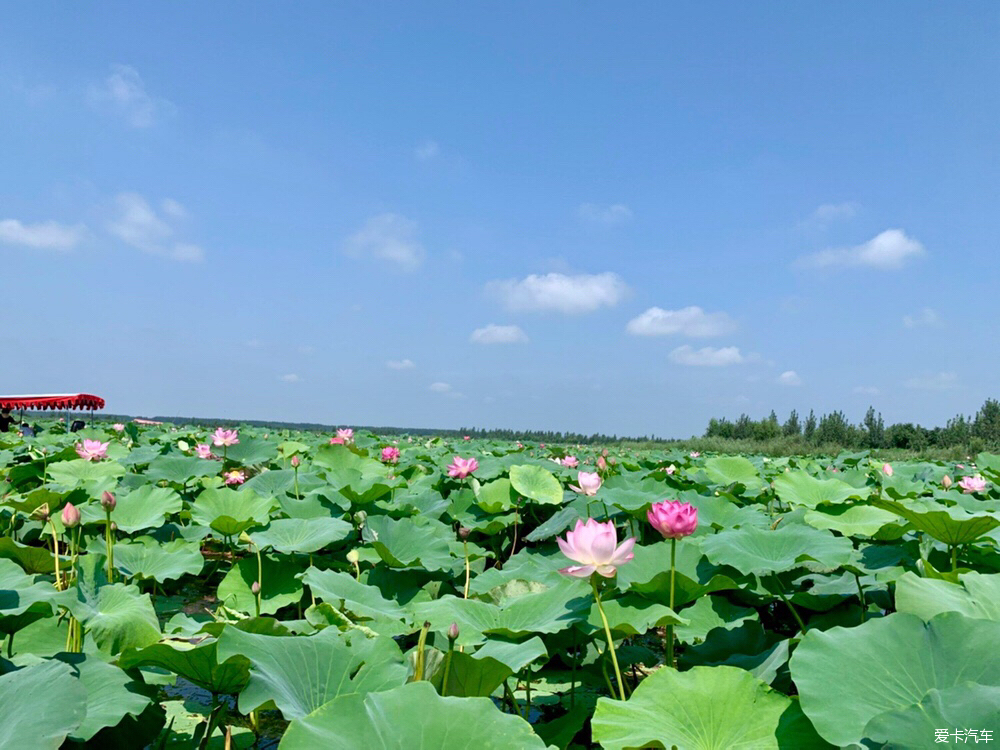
170	587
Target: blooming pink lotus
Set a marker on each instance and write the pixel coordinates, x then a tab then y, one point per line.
390	454
225	437
570	462
337	441
92	450
118	427
590	483
695	454
203	450
466	437
593	546
671	469
70	515
460	467
673	519
346	434
234	477
887	469
972	484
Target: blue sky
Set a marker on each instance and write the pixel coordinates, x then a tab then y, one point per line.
575	216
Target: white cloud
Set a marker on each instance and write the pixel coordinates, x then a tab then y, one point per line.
889	251
866	390
941	381
400	364
560	292
307	349
789	377
46	235
828	213
494	334
927	317
290	378
124	92
427	150
138	225
688	321
173	209
440	387
706	357
617	213
388	237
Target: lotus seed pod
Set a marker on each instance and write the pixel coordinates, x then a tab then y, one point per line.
353	557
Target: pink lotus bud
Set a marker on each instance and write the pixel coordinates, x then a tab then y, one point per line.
463	533
114	526
593	546
590	483
466	437
296	461
255	588
108	501
887	469
453	631
390	454
946	482
70	515
673	519
118	427
602	463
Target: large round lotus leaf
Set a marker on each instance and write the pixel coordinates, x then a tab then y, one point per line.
705	708
181	469
976	596
142	508
410	542
799	488
761	551
629	495
536	483
302	673
709	613
848	676
949	525
290	535
196	663
469	676
115	616
279	585
167	561
648	573
229	512
343	592
956	709
856	520
727	470
111	694
496	496
515	654
411	717
41	704
22	601
94	476
250	450
275	483
632	615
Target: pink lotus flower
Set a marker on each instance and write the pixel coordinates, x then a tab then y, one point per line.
695	454
225	437
70	515
346	434
337	441
972	484
390	454
887	469
671	469
593	546
92	450
602	463
673	519
466	437
570	462
959	466
203	450
234	477
118	427
590	483
460	467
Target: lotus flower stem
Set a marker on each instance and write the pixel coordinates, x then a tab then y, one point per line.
10	645
468	570
670	627
111	549
511	699
572	672
296	468
788	604
527	690
513	545
447	668
607	632
418	670
260	579
55	549
861	597
954	557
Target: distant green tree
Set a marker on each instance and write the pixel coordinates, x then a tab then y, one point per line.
792	426
809	430
987	423
874	429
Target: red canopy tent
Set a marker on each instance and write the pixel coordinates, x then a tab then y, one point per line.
54	401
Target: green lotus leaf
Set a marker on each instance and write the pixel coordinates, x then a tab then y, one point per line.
162	561
727	470
345	593
705	708
251	451
976	595
142	508
469	676
951	526
631	615
855	520
410	542
709	613
762	551
957	710
536	483
42	705
496	496
22	600
93	476
279	584
229	512
301	674
800	488
848	676
420	720
304	536
196	662
181	469
275	483
649	572
515	654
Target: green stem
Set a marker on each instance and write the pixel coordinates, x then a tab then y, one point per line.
418	670
55	548
468	570
10	646
260	577
607	632
447	668
510	697
954	557
572	679
111	549
527	691
670	628
795	614
861	596
297	483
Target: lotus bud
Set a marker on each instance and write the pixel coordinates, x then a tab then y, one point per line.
70	515
463	533
42	513
602	463
108	501
360	517
453	631
255	588
946	482
114	526
296	461
353	557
